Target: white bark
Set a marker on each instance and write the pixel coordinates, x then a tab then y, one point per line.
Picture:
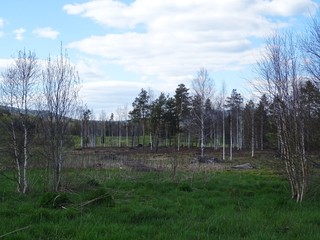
202	87
231	139
252	133
223	136
18	93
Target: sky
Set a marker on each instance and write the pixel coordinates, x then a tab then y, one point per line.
122	46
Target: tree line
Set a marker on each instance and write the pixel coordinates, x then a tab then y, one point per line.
186	120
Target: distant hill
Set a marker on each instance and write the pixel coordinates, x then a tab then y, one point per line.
7	110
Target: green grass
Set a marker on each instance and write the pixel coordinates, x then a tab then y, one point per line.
215	205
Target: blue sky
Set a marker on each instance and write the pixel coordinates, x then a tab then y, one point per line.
120	47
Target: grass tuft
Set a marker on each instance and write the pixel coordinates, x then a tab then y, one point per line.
54	200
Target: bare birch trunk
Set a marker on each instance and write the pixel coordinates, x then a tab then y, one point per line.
223	136
261	133
26	158
202	137
252	134
231	139
280	69
16	157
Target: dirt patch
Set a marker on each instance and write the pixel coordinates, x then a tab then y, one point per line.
145	160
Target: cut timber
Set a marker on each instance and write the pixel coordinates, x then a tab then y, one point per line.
244	166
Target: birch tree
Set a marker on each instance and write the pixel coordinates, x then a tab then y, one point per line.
60	102
202	87
249	126
8	100
111	129
279	74
19	83
223	97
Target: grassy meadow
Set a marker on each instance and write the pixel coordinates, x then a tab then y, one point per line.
123	203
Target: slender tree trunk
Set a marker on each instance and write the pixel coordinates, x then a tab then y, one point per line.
111	130
16	157
26	159
179	135
144	135
261	133
119	133
60	162
241	133
252	134
202	135
231	139
237	131
127	134
132	136
81	134
223	136
151	141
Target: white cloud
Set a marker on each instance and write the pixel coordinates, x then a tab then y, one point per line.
46	32
285	8
168	41
118	13
5	63
101	90
19	33
109	94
